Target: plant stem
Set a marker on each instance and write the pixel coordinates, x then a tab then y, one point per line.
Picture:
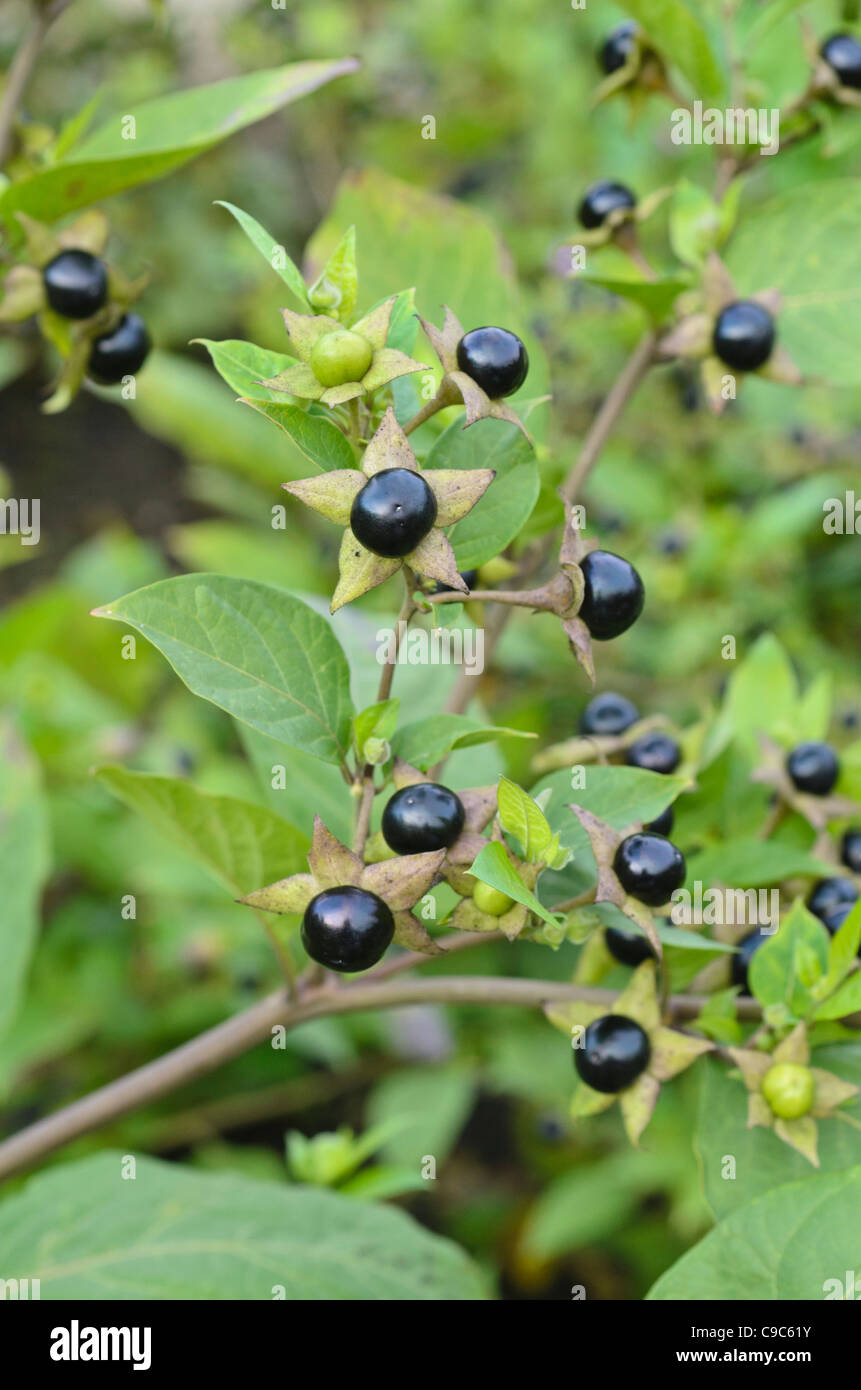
518	598
21	70
282	954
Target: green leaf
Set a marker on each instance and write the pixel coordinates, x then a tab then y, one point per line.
253	650
746	862
771	16
805	243
24	863
682	40
336	288
773	971
316	437
795	1242
493	866
505	507
170	1233
519	816
243	845
763	691
272	251
695	223
843	947
167	133
377	721
295	785
243	365
588	1205
431	1105
657	297
428	740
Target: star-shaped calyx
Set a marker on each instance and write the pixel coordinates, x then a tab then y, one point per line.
694	335
818	811
771	1074
453	493
457	385
400	882
670	1052
360	352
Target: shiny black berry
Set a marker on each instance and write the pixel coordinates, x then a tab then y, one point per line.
656	752
608	714
830	894
600	200
122	352
615	1051
850	850
76	284
834	921
813	768
495	359
347	928
740	963
618	47
662	824
613	594
421	818
649	867
393	512
627	947
842	53
744	335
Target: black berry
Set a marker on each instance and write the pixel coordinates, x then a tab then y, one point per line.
830	894
662	824
627	947
649	867
495	359
834	921
608	714
613	594
740	963
121	352
744	335
842	53
393	512
601	199
347	928
615	1051
813	768
76	284
421	818
618	47
656	752
850	850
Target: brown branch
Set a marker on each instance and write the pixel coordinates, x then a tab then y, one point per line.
21	70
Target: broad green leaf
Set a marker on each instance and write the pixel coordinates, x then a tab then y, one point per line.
376	721
295	785
167	132
315	437
804	243
843	948
771	16
813	714
773	971
589	1204
501	513
254	650
430	1105
519	816
657	297
24	863
746	862
795	1242
682	40
428	740
845	1000
763	690
271	251
493	866
243	845
695	223
244	365
170	1233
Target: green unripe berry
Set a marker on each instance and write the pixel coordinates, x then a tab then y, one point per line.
490	900
340	356
788	1088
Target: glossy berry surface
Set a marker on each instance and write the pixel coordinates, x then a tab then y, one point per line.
842	53
830	894
656	752
649	867
813	768
600	200
744	335
850	850
613	594
424	817
347	928
615	1051
740	963
608	714
788	1089
491	900
393	512
76	284
122	352
662	824
340	356
618	47
627	947
495	359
